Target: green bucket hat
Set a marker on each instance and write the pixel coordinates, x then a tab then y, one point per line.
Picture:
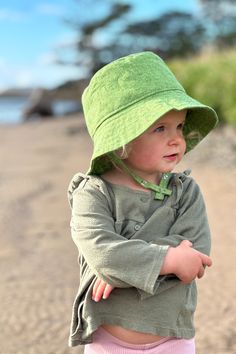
127	96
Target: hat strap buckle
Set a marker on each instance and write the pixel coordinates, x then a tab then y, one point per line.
160	190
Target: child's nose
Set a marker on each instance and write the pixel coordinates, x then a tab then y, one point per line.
175	137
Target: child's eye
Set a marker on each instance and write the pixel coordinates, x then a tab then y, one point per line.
181	126
160	129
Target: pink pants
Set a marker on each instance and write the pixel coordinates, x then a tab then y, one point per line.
105	343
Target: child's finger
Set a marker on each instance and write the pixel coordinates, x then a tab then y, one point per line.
95	287
201	272
206	260
108	289
100	290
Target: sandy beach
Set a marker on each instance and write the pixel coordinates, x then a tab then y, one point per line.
38	259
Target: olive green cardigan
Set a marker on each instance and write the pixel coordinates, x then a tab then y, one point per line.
122	236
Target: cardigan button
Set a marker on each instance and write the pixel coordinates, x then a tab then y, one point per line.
144	199
137	227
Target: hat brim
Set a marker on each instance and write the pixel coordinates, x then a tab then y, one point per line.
132	121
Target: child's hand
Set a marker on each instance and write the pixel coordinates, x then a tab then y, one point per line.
185	262
101	290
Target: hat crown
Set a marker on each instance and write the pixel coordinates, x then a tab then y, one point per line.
124	82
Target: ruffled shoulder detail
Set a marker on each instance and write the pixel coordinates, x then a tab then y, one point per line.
80	180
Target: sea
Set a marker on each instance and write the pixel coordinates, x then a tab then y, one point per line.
11	108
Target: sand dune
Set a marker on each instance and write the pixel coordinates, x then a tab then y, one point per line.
38	260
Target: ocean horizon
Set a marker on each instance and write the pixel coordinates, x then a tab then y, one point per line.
12	107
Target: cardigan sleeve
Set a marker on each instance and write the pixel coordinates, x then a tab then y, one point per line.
110	256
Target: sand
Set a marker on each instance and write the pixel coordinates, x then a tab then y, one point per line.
38	259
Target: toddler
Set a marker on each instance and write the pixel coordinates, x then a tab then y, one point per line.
140	228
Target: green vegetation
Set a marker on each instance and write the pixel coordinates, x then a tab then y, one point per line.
211	78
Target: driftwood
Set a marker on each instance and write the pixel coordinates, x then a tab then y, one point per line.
39	105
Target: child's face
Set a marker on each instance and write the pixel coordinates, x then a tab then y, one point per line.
160	148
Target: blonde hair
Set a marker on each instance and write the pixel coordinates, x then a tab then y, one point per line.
123	152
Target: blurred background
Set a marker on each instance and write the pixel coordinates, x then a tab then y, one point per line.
49	50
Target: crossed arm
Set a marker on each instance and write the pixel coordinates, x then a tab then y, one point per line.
183	261
183	254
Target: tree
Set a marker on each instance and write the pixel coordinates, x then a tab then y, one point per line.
92	54
221	18
173	34
106	35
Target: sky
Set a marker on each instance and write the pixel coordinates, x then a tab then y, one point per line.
32	32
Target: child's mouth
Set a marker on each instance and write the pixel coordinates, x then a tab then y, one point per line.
171	157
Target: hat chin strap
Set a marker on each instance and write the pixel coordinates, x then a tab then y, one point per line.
160	190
